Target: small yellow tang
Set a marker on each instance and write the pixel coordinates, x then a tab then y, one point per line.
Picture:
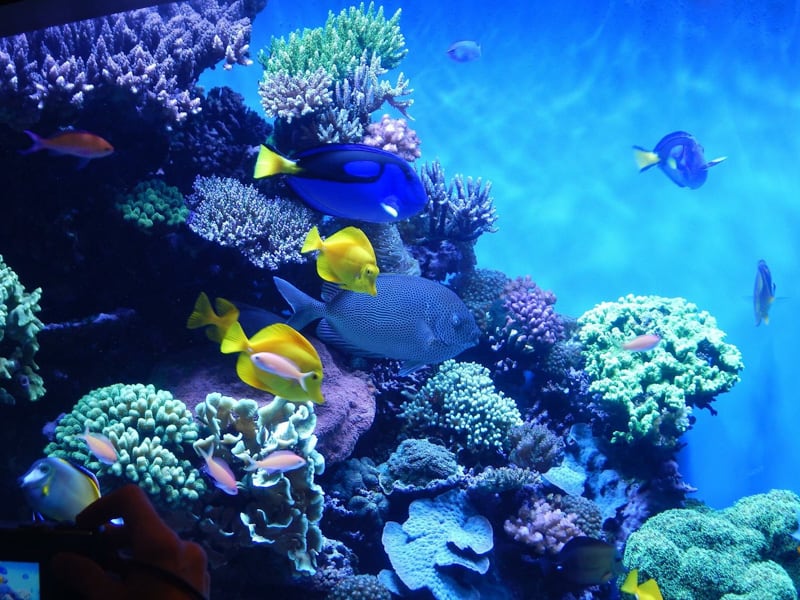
346	258
278	360
216	323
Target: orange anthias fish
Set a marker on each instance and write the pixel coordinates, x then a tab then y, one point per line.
82	144
346	258
216	323
278	461
100	446
277	359
642	343
220	472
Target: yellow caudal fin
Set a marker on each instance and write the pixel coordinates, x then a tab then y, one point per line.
313	241
645	158
235	339
649	591
202	314
225	307
631	583
271	163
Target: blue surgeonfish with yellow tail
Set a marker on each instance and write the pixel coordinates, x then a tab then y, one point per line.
763	293
681	158
57	490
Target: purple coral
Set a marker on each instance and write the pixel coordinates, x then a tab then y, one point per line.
393	135
543	527
156	54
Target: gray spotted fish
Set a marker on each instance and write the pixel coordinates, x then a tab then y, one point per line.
412	319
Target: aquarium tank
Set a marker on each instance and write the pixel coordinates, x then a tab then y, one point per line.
434	300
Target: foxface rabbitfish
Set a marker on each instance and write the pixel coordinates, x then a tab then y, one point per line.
681	158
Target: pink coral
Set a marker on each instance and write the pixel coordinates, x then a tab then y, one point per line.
542	527
393	135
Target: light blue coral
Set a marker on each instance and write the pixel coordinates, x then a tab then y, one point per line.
650	395
19	326
461	401
152	432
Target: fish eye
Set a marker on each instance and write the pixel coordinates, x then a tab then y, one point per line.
455	320
314	376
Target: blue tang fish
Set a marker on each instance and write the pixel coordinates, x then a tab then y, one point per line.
763	293
58	490
584	561
412	319
680	156
464	51
352	181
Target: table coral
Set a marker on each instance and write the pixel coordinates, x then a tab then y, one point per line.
461	401
739	553
151	202
650	395
152	432
19	326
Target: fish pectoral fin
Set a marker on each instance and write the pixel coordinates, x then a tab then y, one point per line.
409	366
716	161
645	158
390	209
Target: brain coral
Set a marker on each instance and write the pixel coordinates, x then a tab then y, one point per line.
739	553
152	432
649	395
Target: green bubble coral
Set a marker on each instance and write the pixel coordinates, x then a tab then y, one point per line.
19	326
152	432
152	202
649	396
461	401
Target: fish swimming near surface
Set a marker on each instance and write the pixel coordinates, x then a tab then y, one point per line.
220	472
277	359
216	323
352	181
100	446
646	591
763	293
82	144
464	51
279	461
681	158
642	343
58	490
412	319
584	561
346	258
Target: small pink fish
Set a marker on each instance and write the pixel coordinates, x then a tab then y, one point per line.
642	343
82	144
279	461
100	446
281	366
220	472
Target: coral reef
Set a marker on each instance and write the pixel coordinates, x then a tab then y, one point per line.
19	325
740	552
649	396
439	536
152	202
419	465
393	135
461	402
268	232
154	54
152	432
535	447
359	587
542	527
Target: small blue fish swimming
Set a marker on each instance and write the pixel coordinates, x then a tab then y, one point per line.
412	319
763	293
464	51
681	158
58	490
352	181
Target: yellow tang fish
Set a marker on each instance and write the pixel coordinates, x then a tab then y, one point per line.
346	258
216	324
297	378
646	591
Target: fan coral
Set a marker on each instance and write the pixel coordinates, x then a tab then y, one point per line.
545	528
19	326
268	233
650	395
393	135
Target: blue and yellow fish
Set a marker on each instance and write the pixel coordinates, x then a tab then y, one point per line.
352	181
681	158
58	490
763	293
346	258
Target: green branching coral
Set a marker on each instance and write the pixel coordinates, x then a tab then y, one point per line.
461	401
152	202
650	395
18	345
152	432
745	552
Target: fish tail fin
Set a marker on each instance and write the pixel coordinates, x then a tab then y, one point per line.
271	163
251	464
631	583
645	158
313	241
235	339
304	307
202	314
37	143
224	307
303	380
649	589
205	454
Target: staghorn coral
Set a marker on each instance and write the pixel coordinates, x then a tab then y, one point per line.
289	97
19	327
545	528
152	432
151	202
649	396
268	232
154	54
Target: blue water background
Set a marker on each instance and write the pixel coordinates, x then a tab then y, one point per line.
549	114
